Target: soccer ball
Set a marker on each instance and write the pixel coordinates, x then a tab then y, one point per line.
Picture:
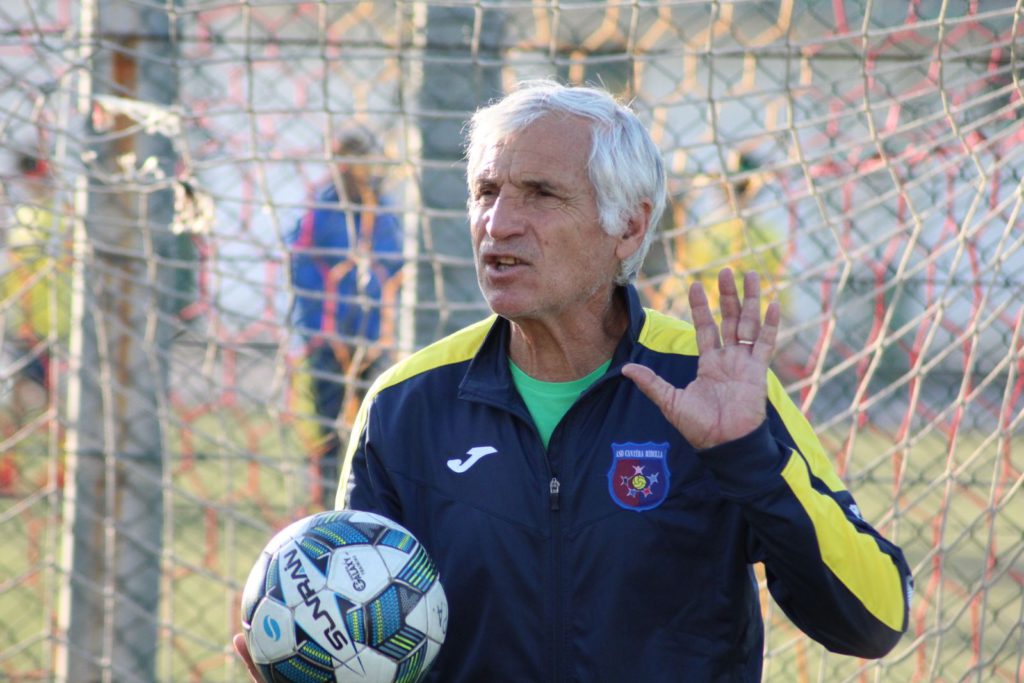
344	596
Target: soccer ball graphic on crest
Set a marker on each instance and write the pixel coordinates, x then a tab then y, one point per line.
344	596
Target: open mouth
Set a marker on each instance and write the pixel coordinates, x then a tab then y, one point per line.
503	262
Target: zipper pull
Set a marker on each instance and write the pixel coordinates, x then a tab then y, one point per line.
554	488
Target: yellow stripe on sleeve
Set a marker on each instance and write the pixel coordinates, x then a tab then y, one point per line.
803	435
853	557
665	334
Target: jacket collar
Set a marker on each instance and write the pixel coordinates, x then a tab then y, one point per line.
489	378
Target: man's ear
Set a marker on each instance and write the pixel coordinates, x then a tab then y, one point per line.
636	229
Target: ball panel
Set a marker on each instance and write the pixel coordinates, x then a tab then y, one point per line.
416	616
437	613
383	616
357	572
401	643
355	620
337	533
299	575
410	669
419	572
272	635
368	666
396	559
298	670
254	590
320	617
388	630
430	649
317	553
407	599
272	582
399	540
310	650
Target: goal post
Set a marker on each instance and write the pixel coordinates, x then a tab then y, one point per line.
157	160
119	339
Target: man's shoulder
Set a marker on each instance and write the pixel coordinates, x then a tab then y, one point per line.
665	334
458	347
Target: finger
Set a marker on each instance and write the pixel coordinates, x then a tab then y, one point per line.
650	384
749	325
242	648
729	302
765	346
703	320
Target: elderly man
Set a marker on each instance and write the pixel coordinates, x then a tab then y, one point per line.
593	479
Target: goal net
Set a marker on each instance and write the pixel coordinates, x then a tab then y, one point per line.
167	399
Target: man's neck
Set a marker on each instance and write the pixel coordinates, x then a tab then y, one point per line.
567	349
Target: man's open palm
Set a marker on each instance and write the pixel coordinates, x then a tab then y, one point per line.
727	399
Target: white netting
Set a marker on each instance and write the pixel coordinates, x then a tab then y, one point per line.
155	158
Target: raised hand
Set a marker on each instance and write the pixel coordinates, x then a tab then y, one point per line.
727	399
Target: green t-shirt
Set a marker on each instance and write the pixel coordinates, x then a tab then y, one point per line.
548	402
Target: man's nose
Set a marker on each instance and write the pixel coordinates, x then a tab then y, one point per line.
505	217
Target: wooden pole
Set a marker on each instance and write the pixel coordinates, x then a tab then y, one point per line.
113	538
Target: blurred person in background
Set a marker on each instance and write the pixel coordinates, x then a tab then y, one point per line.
37	283
345	258
35	286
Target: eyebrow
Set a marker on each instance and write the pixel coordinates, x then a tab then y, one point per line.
484	178
483	181
542	184
487	180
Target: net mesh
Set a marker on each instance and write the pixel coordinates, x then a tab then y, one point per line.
158	160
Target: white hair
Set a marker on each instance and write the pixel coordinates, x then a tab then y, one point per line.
625	167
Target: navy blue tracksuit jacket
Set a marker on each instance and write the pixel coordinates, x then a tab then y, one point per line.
619	553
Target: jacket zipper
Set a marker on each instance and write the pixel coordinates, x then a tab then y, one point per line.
558	633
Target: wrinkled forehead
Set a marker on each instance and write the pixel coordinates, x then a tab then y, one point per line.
555	141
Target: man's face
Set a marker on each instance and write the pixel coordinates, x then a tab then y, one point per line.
539	247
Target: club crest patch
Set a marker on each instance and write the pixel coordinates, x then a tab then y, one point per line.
638	478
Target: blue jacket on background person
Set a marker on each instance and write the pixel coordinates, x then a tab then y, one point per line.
342	258
320	241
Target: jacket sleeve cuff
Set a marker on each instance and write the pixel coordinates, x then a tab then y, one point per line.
747	466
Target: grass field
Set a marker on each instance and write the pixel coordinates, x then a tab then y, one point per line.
959	519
